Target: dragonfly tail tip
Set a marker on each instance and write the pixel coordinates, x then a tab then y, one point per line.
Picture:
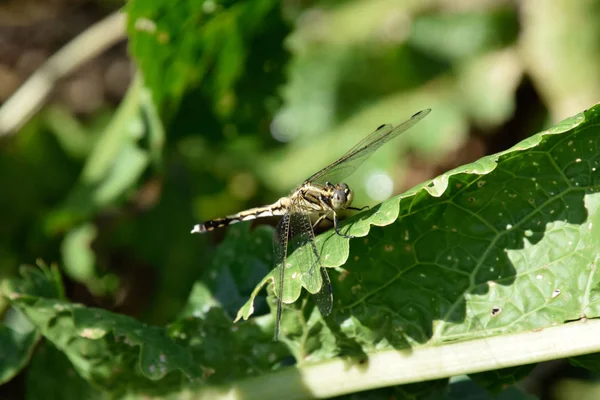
198	228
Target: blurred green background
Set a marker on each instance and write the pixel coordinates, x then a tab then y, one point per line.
203	108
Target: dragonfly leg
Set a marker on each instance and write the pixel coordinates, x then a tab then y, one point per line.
321	218
337	229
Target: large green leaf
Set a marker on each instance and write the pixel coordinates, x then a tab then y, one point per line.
500	245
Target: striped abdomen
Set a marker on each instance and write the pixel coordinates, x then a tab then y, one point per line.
277	208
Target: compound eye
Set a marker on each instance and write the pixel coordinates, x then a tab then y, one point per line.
339	198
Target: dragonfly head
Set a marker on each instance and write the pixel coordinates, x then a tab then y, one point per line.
342	196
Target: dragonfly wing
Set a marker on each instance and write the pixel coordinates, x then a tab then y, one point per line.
350	161
313	272
324	297
280	243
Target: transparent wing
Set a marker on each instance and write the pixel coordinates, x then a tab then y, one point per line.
280	244
324	297
350	161
305	250
294	233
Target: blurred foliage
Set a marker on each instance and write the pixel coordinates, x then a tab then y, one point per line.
233	104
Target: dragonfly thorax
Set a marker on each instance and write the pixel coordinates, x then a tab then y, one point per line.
341	196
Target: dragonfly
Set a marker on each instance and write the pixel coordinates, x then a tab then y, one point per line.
322	195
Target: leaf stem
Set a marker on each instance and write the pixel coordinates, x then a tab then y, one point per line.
397	367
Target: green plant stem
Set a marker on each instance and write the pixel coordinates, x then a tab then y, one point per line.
388	368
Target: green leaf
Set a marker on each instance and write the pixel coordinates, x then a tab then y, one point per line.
227	352
155	129
17	339
242	259
18	335
114	351
119	354
573	81
79	260
78	257
42	281
443	34
121	154
178	46
500	245
51	376
74	138
111	350
488	100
